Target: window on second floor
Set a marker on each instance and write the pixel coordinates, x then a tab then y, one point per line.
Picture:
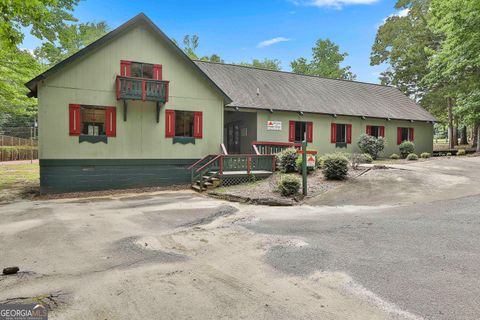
141	70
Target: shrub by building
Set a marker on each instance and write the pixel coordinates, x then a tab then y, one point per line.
289	185
412	156
366	158
335	167
371	145
287	160
406	147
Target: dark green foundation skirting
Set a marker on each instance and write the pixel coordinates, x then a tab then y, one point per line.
70	175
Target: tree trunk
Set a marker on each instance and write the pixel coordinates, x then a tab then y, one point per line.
463	136
478	138
455	131
451	144
476	128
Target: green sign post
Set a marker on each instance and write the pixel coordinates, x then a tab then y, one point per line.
304	167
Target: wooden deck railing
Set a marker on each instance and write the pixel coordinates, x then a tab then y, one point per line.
267	147
242	163
247	163
142	89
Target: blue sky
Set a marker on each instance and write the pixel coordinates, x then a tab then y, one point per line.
242	30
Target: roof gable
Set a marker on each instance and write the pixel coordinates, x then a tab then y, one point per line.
138	19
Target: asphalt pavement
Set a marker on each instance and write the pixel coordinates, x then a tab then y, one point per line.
423	257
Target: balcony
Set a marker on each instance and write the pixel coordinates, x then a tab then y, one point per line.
129	88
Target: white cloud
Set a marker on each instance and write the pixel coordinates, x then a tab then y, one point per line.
269	42
331	3
401	13
29	50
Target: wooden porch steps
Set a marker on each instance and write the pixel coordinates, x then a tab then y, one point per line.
222	169
213	179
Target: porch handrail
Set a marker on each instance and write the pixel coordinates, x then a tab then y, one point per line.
224	150
270	147
255	149
199	161
283	144
208	163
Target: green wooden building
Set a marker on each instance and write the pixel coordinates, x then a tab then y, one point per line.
132	110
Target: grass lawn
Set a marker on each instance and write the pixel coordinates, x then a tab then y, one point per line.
12	174
18	181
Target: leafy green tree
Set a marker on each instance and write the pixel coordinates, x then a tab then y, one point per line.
268	64
458	60
401	42
300	66
16	68
190	45
407	44
213	58
70	39
326	60
45	17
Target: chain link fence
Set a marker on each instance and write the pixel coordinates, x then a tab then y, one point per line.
18	143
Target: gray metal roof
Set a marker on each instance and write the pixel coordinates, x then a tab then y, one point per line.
287	91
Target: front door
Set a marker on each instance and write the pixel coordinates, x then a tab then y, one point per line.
233	137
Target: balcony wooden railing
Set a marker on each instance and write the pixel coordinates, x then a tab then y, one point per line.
268	147
129	88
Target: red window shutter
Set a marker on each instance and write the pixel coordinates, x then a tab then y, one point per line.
169	123
399	135
333	133
349	133
157	72
369	130
111	121
197	125
309	131
74	119
382	132
410	134
291	131
125	68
